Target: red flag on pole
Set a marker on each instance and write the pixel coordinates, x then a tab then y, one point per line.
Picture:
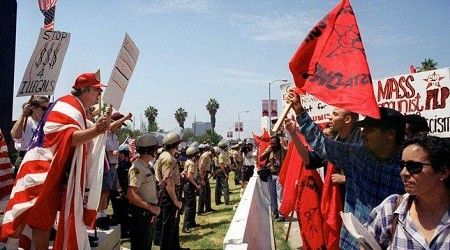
331	64
262	142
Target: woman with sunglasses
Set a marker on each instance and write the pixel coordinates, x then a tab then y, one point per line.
419	219
23	130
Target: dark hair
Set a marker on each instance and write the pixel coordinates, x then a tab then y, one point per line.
38	100
437	149
417	123
276	137
147	150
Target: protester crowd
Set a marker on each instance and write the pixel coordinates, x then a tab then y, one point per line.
393	176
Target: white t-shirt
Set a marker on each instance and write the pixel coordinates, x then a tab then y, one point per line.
27	135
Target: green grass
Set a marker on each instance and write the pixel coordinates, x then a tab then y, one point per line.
214	226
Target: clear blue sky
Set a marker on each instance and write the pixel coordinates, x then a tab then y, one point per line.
193	50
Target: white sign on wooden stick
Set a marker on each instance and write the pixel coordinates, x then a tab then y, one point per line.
121	73
45	64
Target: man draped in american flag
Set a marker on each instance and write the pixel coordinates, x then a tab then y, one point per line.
61	171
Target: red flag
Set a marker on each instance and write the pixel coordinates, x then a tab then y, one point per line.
262	142
289	175
308	210
331	64
331	205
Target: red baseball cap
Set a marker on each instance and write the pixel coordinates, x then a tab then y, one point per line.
88	80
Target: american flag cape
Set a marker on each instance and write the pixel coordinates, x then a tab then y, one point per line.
55	176
47	8
6	170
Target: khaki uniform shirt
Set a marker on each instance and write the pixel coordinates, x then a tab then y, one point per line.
205	161
190	167
141	177
224	159
166	164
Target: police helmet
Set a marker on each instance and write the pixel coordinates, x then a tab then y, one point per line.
217	150
146	144
171	138
222	144
191	151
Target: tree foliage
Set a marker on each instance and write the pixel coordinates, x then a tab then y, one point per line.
212	106
427	64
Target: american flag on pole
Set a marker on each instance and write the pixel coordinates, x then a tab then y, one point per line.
131	146
55	176
47	8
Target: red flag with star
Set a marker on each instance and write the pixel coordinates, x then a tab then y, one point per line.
331	64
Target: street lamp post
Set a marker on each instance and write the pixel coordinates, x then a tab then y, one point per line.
270	103
239	123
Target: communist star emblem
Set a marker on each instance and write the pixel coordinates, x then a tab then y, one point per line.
433	80
348	40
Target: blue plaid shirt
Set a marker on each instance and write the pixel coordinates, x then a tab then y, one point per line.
368	180
406	234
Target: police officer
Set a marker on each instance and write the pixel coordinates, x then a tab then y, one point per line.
168	171
142	194
204	166
222	174
190	188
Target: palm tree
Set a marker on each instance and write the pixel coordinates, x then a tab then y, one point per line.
151	113
427	64
212	108
180	116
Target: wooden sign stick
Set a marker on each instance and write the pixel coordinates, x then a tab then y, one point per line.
280	120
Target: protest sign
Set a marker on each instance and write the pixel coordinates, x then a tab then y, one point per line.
423	93
317	110
121	73
45	64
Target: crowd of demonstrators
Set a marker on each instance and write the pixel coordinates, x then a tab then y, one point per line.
110	184
63	137
372	169
23	130
419	219
274	156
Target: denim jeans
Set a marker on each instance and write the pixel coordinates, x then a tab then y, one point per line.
275	192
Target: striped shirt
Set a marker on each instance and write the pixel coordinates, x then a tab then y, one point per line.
368	180
406	235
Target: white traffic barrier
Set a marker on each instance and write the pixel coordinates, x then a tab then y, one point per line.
251	227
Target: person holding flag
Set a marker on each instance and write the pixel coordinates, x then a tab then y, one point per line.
372	169
61	172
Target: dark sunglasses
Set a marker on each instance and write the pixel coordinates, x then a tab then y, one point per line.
413	167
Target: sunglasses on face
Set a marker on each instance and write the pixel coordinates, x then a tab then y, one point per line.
413	167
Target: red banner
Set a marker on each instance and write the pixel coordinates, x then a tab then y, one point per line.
331	64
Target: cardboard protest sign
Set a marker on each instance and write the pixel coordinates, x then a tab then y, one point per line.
425	93
45	64
317	109
121	73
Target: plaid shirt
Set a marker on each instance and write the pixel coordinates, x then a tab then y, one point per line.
406	234
368	180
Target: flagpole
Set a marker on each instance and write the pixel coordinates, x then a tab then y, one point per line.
292	212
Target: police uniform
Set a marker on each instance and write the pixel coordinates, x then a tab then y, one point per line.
141	231
190	197
170	229
204	198
221	181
